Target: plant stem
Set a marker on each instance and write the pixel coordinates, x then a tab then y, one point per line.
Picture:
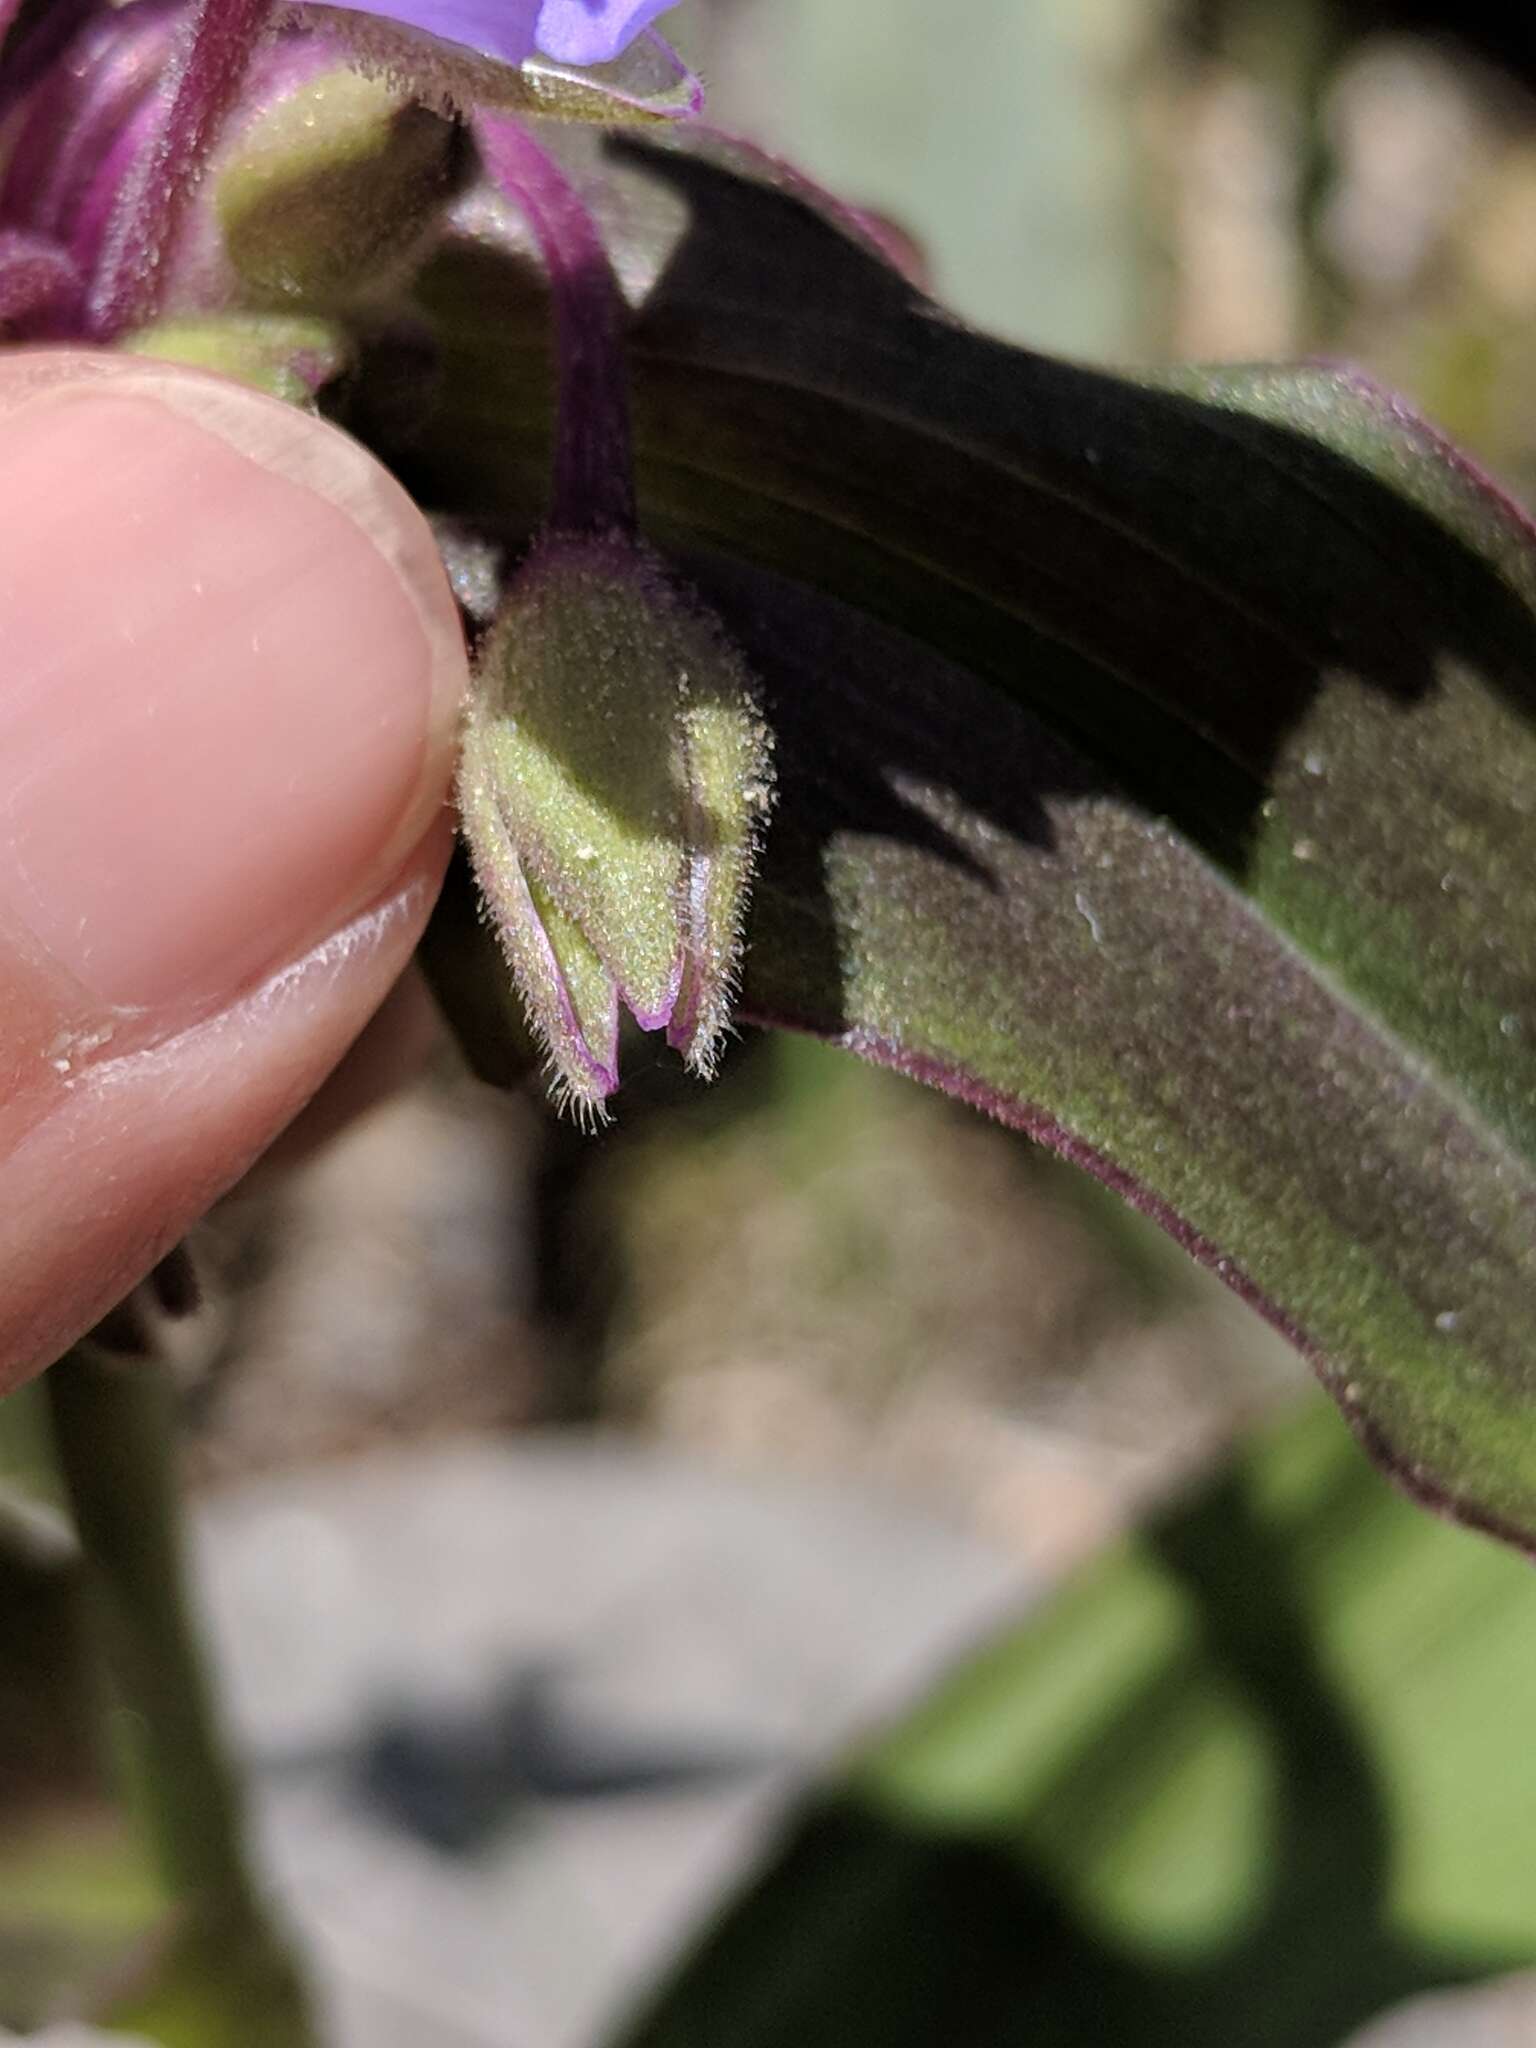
207	70
593	489
113	1427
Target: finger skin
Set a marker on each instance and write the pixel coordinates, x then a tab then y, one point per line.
228	703
392	1052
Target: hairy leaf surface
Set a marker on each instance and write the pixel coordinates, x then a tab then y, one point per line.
1157	759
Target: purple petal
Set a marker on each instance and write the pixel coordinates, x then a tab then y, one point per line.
593	31
503	29
511	31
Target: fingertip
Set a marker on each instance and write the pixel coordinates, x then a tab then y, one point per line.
232	680
134	1149
228	714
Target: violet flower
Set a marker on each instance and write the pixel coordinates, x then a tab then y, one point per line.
512	31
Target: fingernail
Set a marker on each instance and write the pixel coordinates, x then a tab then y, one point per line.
230	679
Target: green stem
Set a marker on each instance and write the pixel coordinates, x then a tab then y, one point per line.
230	1981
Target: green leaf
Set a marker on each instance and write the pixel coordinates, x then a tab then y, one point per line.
1250	1778
1157	759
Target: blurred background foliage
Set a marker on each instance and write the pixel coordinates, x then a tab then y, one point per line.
1259	1772
1256	1774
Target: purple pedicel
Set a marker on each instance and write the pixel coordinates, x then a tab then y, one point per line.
29	61
593	487
213	53
36	277
77	111
87	128
94	104
92	215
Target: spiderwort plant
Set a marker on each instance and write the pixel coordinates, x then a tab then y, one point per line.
1154	756
198	180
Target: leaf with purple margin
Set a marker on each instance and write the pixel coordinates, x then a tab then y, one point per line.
953	892
1158	764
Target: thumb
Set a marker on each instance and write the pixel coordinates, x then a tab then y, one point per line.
229	674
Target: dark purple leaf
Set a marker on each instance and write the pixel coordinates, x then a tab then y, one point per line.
1156	754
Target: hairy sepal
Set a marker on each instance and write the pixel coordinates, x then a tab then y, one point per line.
616	776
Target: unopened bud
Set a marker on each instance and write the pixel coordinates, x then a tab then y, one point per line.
615	780
330	188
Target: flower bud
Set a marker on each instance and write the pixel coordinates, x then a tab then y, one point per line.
614	784
331	188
